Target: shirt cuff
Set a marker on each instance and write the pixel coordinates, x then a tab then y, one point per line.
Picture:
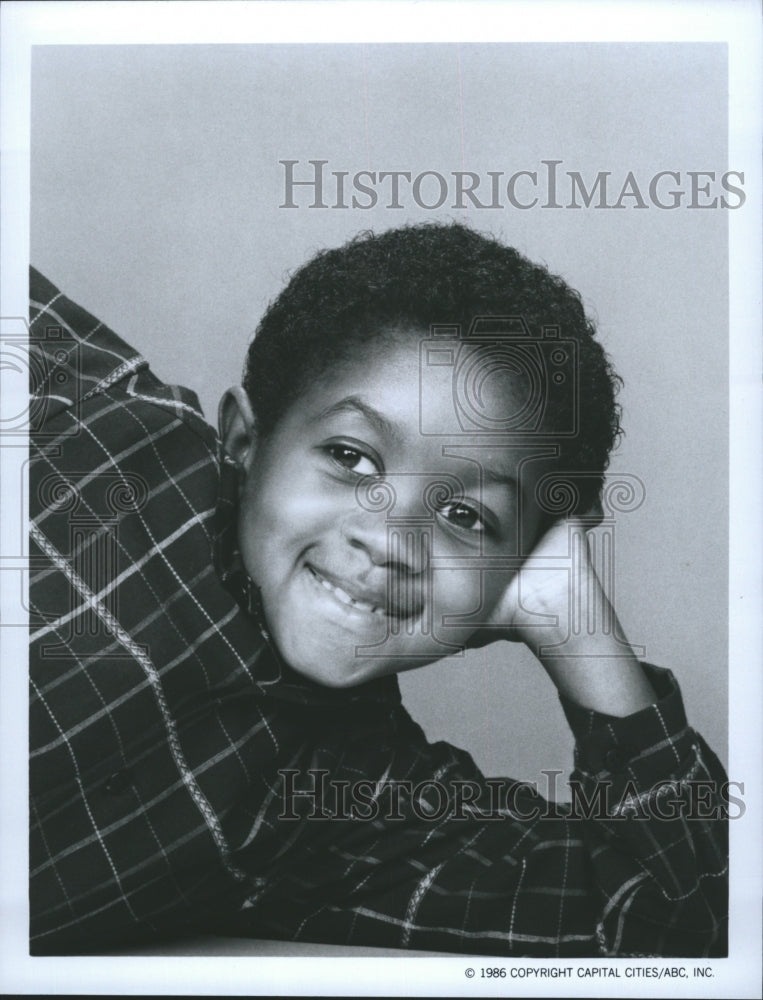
607	744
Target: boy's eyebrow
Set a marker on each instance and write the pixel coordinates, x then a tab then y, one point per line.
499	476
493	473
354	404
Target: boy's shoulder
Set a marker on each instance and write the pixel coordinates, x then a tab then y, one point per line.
77	363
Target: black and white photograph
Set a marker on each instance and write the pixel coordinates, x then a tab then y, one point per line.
381	527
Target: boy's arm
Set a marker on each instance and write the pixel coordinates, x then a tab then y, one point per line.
142	669
438	857
426	853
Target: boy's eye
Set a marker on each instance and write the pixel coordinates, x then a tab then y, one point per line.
353	460
462	516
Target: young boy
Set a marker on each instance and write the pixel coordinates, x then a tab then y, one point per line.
217	739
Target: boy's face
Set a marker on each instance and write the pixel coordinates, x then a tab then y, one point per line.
366	566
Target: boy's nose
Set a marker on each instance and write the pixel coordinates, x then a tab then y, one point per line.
398	545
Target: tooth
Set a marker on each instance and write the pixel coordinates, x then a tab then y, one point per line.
345	598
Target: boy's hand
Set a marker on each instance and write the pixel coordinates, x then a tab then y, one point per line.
541	586
556	605
537	604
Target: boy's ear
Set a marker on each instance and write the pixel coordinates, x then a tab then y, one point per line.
237	425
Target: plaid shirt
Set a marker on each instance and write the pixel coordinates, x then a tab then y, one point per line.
182	777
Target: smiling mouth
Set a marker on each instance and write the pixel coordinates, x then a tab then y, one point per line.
376	607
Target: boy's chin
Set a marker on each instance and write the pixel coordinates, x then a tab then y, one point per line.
342	677
348	668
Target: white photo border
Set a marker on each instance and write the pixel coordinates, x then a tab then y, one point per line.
38	23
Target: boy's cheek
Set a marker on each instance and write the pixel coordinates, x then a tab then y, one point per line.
465	600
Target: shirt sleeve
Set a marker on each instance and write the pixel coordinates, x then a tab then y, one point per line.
390	841
649	788
144	727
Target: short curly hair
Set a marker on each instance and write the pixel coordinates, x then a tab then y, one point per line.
414	277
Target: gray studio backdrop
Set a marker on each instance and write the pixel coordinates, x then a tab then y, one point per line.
156	194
